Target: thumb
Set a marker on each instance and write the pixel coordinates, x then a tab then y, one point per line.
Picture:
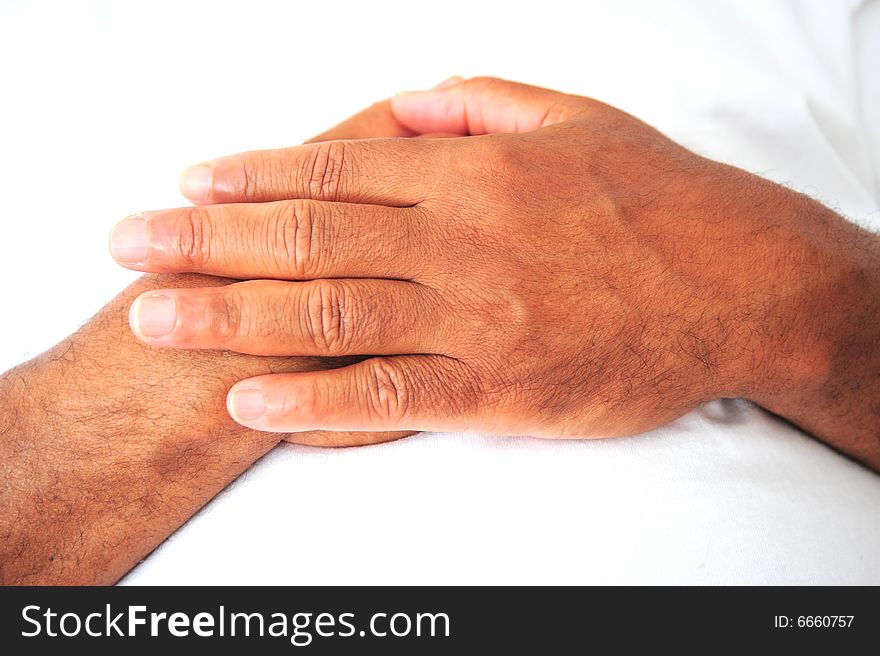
375	121
484	105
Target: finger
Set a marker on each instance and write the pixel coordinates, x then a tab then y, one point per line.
340	439
378	171
375	121
318	318
294	240
412	392
485	105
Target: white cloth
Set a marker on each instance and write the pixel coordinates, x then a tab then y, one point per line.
104	103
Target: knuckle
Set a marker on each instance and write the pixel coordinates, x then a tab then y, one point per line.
387	390
327	170
194	240
299	235
490	162
501	154
327	321
251	167
483	82
227	324
506	178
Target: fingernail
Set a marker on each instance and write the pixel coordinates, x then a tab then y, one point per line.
197	182
246	404
448	82
129	240
153	316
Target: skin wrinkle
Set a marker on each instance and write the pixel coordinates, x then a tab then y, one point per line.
594	250
589	279
290	221
99	465
107	445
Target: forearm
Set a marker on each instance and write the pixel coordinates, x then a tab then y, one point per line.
82	506
107	446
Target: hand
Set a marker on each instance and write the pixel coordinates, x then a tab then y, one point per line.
574	273
375	121
107	446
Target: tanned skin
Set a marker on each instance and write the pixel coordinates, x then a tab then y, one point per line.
560	270
564	271
107	445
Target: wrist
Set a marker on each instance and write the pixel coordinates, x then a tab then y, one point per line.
111	446
763	269
820	304
810	338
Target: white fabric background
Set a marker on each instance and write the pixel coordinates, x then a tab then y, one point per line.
103	104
